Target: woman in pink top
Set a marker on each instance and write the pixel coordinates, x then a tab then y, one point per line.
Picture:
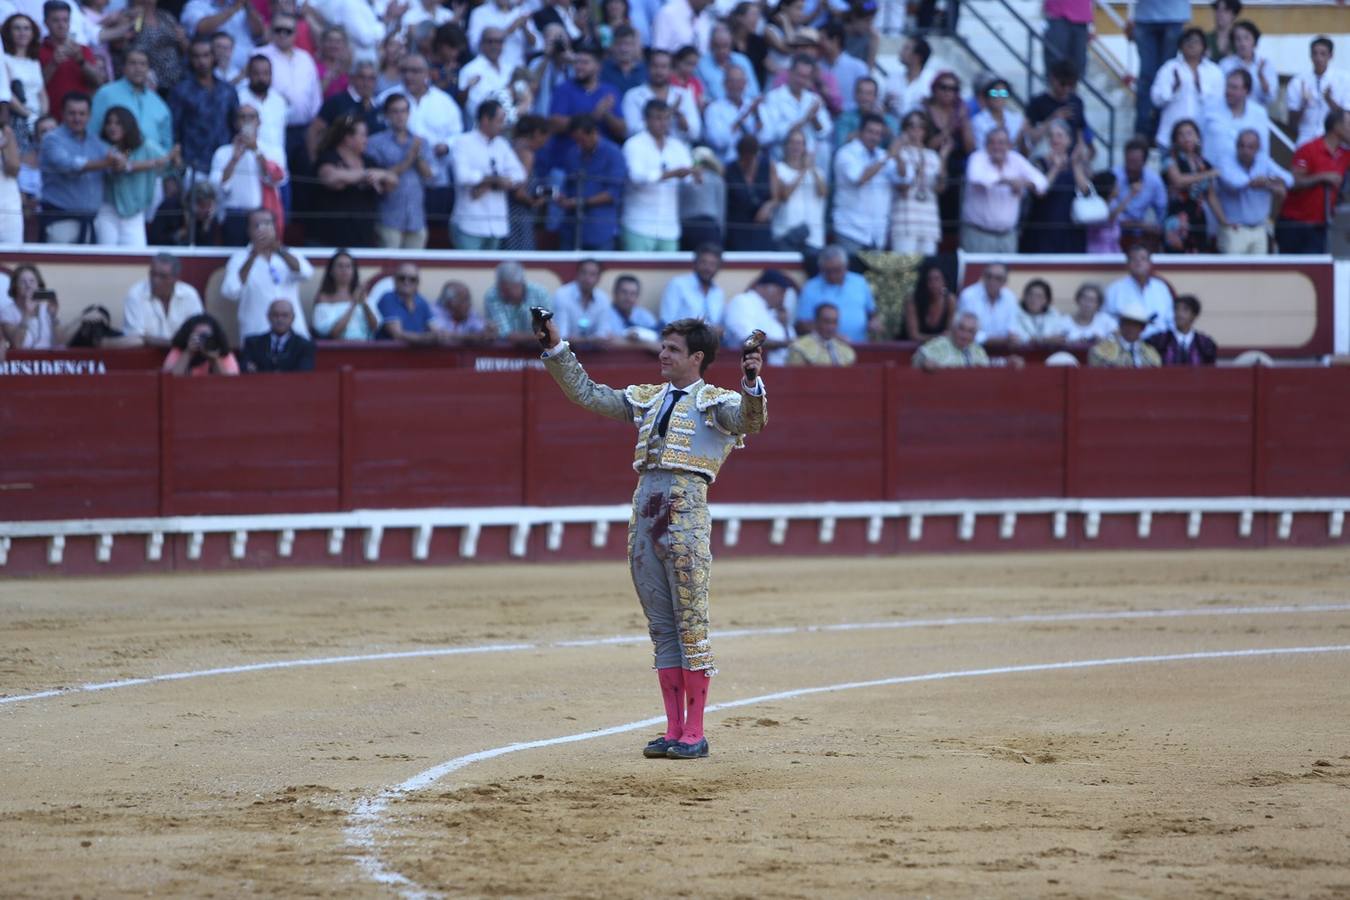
200	348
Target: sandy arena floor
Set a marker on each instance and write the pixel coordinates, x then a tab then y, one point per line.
1226	776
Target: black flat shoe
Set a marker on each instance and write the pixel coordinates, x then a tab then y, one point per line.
657	749
687	751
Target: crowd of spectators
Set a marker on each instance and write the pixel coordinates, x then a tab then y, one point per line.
640	125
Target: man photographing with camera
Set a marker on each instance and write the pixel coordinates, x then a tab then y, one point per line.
686	429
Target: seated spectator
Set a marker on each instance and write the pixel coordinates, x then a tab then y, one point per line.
1126	349
657	162
955	350
342	311
1141	202
73	162
1182	345
795	105
134	93
1263	80
762	307
200	347
714	68
157	306
407	157
750	202
486	170
1050	227
1319	168
997	180
94	330
1089	322
1038	322
628	321
799	192
931	307
686	124
848	291
580	308
508	303
1251	189
593	190
866	100
992	304
453	318
351	184
1141	286
246	173
734	116
29	321
67	65
405	315
262	272
822	346
864	177
280	349
1238	112
1191	192
1185	85
1104	237
997	114
1061	103
695	295
129	191
202	109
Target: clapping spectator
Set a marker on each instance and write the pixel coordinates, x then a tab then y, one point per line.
1264	80
512	22
405	315
864	177
264	271
1183	345
822	346
1049	224
200	348
351	185
508	303
931	307
1319	168
915	226
157	306
454	320
1251	189
848	291
1310	96
73	163
1141	289
718	63
20	40
279	349
580	308
997	114
585	94
203	109
734	116
1126	349
794	105
762	307
799	190
1186	86
593	188
657	162
239	20
1089	322
1237	113
244	172
527	205
953	137
67	66
342	311
486	170
407	157
998	178
866	100
1038	322
130	189
955	350
486	75
686	122
750	199
1191	186
910	84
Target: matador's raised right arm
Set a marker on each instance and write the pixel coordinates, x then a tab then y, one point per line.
566	369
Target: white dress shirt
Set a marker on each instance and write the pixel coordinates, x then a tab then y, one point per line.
862	211
1103	325
490	80
145	316
677	26
636	98
718	119
358	18
1189	101
1306	92
782	110
236	26
684	298
748	311
1258	65
651	204
476	158
576	321
995	319
903	95
272	112
1156	297
1222	129
515	48
269	279
296	78
436	119
244	189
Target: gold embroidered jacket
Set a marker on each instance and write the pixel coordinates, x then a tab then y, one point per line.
706	424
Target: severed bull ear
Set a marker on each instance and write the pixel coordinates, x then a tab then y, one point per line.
539	316
753	342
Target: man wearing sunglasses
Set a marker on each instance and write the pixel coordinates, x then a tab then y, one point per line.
296	78
405	314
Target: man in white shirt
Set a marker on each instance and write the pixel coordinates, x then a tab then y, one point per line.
997	180
1143	288
763	306
695	295
728	120
433	116
657	163
156	307
365	29
910	84
1309	96
237	172
992	304
1237	113
513	21
239	19
686	126
263	272
296	78
485	74
271	106
682	23
580	309
486	170
793	105
864	178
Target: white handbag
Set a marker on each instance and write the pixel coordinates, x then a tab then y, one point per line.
1089	209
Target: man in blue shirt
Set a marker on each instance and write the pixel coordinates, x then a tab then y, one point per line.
73	161
403	219
203	109
593	190
405	315
1251	189
582	94
1143	196
624	70
847	290
132	91
1155	28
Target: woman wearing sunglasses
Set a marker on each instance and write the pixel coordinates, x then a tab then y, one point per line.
996	113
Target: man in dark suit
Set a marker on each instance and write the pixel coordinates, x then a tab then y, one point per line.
1182	345
281	349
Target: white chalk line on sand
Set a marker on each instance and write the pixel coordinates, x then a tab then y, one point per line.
1027	618
364	820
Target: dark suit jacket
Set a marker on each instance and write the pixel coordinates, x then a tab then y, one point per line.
1203	351
296	356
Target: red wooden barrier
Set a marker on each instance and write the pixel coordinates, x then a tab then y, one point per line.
1303	443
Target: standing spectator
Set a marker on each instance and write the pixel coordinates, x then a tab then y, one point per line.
866	100
680	23
1154	28
512	21
931	307
1141	289
454	320
508	303
203	109
806	43
358	98
703	202
1125	349
486	74
1237	113
134	93
1059	102
687	125
822	346
156	33
1066	32
1141	202
67	66
580	308
762	307
129	189
1251	190
486	170
240	20
593	190
157	306
73	163
955	350
436	119
11	198
364	27
1089	322
262	272
1221	42
1319	168
951	123
271	106
405	315
403	220
222	50
295	77
1265	80
794	106
721	59
1183	345
848	291
1310	96
334	62
1038	322
243	171
997	179
584	94
1104	237
624	69
915	226
28	322
342	311
864	177
627	320
992	304
200	348
279	349
350	186
845	67
1191	192
657	162
684	74
527	206
799	189
1049	225
20	41
1187	86
695	295
750	199
912	83
997	114
733	117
